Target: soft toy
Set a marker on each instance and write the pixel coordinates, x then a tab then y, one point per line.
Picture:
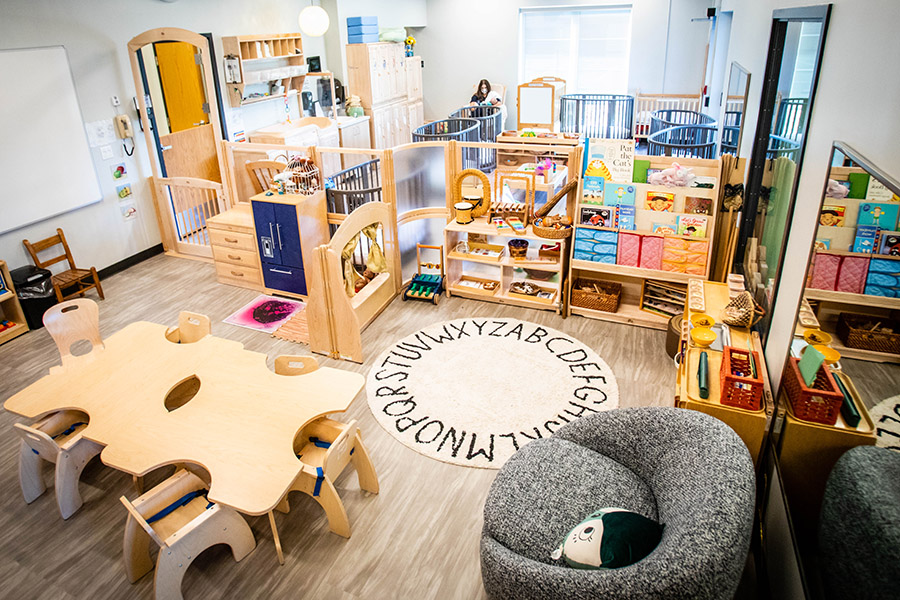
608	539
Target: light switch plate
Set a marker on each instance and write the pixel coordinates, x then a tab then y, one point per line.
106	152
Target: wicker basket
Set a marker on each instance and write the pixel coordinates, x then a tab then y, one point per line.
601	295
868	333
820	403
551	233
739	387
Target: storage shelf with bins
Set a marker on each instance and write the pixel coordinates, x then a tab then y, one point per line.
263	59
465	271
10	309
632	278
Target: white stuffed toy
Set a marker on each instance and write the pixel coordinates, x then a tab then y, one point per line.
608	539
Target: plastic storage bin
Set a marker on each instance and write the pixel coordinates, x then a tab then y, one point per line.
35	291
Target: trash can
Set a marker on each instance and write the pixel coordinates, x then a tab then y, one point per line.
35	292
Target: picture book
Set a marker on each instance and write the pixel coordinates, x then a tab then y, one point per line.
694	226
611	159
593	190
659	201
877	192
501	225
832	215
604	216
866	236
663	228
617	193
822	244
890	243
516	224
883	215
626	216
697	206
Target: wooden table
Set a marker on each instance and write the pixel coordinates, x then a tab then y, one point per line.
752	426
240	425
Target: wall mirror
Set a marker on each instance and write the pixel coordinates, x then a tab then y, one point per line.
795	52
179	105
318	95
734	109
850	312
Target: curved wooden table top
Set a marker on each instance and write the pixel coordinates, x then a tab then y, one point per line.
240	425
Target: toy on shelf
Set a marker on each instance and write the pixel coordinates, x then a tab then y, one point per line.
426	286
479	204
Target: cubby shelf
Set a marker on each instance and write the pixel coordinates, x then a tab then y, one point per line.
265	58
10	309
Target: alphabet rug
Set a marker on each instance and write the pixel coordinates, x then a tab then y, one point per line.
473	391
886	416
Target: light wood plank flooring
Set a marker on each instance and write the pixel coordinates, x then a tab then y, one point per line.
417	539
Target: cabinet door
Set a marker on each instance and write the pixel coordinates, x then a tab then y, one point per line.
287	235
402	118
284	278
264	218
413	78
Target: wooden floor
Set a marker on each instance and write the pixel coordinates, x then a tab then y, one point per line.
874	381
417	539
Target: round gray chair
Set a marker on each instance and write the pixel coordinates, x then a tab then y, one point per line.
682	468
859	527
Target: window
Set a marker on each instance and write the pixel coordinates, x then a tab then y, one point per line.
588	47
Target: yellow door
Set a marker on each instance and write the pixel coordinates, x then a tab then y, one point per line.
182	85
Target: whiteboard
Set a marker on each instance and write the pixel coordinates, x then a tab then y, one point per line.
536	104
45	162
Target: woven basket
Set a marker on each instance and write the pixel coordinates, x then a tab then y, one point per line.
866	333
742	311
603	295
551	233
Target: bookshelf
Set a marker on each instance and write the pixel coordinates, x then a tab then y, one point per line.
10	309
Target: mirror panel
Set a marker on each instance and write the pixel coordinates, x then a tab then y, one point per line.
735	109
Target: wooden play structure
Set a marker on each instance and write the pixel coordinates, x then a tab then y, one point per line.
338	314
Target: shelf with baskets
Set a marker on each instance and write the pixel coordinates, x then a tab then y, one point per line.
479	266
638	233
263	67
10	309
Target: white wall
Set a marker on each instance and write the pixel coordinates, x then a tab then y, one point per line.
472	39
95	33
856	102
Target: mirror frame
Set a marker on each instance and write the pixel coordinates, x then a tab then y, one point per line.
734	65
780	20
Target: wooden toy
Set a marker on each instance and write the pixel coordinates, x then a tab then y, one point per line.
426	286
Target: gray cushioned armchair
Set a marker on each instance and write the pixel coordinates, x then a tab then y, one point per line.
683	468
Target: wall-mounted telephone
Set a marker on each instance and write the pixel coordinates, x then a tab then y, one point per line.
123	126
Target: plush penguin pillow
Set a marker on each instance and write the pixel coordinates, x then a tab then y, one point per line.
608	539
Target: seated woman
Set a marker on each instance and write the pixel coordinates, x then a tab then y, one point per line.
484	96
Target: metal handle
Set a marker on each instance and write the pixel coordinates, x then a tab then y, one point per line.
273	270
278	229
164	148
271	233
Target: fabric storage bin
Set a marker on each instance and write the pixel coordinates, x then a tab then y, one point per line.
595	245
651	252
629	249
356	21
840	273
865	332
874	290
884	265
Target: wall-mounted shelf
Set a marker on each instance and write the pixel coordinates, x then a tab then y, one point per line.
263	59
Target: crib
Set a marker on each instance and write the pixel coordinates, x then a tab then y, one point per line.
647	104
608	116
790	117
780	146
671	117
731	130
490	124
461	130
695	141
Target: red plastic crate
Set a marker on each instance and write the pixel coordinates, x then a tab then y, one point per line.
739	388
820	403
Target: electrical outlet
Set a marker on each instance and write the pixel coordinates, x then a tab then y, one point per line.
115	101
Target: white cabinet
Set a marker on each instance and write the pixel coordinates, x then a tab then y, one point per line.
354	132
414	66
376	72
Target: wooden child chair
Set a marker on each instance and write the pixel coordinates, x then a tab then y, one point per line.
192	327
73	277
262	173
57	439
73	321
177	516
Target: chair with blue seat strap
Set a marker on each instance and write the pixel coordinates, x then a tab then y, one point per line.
57	439
177	516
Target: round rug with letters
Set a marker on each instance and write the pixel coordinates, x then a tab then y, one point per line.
886	416
473	391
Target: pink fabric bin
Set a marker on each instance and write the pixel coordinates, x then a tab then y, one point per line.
651	252
839	273
629	251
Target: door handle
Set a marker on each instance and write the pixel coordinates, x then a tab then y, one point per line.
164	148
271	233
278	229
273	270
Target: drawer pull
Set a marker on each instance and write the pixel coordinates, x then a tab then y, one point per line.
233	257
237	274
230	241
282	272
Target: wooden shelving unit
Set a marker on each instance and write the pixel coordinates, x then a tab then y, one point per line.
633	278
505	270
831	304
10	309
263	59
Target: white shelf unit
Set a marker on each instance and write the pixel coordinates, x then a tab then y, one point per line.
263	59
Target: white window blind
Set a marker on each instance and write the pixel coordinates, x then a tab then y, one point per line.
588	47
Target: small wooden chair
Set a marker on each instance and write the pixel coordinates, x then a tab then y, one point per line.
177	516
73	321
56	439
263	172
73	277
192	327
